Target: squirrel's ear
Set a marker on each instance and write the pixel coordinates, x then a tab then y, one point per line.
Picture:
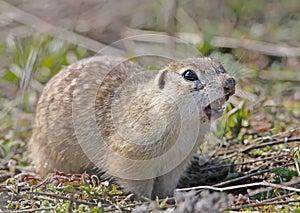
160	79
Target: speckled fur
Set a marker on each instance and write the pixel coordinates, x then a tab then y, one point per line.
147	122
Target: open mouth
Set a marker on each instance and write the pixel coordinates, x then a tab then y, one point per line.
215	108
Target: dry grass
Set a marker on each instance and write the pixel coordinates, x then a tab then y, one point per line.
254	163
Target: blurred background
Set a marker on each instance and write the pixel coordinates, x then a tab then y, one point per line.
257	41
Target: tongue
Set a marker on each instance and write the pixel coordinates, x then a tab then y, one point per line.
221	101
217	103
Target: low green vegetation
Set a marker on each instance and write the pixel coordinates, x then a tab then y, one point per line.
255	141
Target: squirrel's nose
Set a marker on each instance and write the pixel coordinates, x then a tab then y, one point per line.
229	87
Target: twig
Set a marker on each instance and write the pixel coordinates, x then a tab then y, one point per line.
244	163
271	143
267	164
19	31
228	188
279	197
259	191
267	202
43	26
47	179
257	46
280	186
279	76
161	37
72	200
287	134
257	146
63	198
71	203
263	204
123	208
34	210
170	25
251	175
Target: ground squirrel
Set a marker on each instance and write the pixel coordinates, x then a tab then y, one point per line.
141	128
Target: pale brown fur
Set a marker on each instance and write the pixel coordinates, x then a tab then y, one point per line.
113	115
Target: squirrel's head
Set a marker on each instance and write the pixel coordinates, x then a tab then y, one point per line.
204	80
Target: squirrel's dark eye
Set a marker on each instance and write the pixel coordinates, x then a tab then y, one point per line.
190	75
